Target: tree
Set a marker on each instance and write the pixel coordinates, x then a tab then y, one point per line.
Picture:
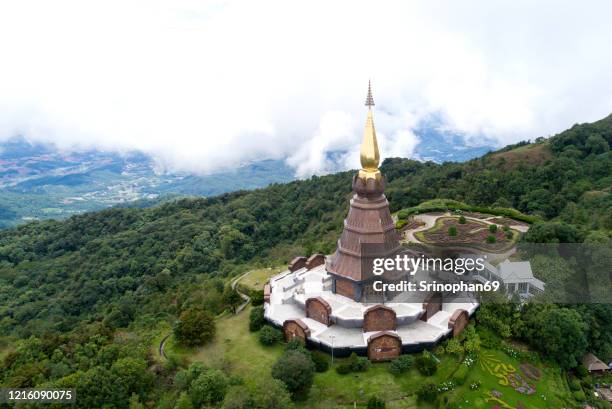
562	336
452	231
296	371
264	394
194	327
321	361
183	402
492	228
498	314
271	394
595	144
134	402
183	378
256	318
132	374
208	388
462	220
553	232
231	298
237	398
376	403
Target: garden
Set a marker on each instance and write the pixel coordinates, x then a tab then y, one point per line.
469	232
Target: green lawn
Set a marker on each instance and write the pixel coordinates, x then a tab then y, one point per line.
257	278
234	347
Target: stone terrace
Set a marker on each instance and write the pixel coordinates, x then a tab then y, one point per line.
289	292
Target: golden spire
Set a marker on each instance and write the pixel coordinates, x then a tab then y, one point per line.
369	146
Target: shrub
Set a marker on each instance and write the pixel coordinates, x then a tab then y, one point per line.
269	335
296	371
376	403
462	220
454	347
359	363
343	369
403	214
461	374
257	297
579	396
491	239
574	384
400	223
509	235
401	364
488	338
581	371
492	228
452	231
321	361
256	319
427	392
586	383
296	345
447	204
426	364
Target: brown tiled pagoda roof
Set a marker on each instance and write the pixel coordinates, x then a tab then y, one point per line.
368	221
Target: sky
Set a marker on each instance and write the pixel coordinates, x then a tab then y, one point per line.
205	85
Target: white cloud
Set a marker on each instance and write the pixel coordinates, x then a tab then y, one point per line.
202	85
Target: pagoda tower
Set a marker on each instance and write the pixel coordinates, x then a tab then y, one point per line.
369	231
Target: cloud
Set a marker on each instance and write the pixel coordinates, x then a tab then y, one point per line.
208	84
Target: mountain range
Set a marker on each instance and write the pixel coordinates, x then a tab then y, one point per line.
40	181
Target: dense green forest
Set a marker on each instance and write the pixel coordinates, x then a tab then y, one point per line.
72	291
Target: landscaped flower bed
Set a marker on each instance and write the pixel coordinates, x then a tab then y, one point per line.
471	233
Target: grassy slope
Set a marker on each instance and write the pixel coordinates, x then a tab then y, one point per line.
239	350
256	278
536	153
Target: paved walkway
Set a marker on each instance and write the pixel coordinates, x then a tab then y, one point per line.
245	297
428	219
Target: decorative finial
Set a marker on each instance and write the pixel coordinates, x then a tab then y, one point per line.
369	99
370	158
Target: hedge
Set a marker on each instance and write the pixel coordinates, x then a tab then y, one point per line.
438	205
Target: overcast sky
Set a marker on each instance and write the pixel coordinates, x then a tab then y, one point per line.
208	84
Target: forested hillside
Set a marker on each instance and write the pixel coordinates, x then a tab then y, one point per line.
70	287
